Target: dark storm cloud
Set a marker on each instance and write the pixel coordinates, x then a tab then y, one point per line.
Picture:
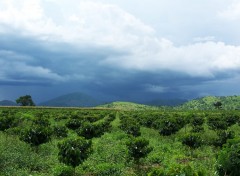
65	68
101	49
26	59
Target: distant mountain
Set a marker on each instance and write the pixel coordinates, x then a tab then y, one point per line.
7	103
166	102
72	100
207	103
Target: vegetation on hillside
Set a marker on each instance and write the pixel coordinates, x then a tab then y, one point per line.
207	103
128	106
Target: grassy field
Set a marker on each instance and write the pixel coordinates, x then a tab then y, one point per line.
165	132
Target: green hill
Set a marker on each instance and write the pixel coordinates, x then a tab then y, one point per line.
72	100
207	103
166	102
128	106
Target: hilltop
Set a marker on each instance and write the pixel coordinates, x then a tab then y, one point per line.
207	103
128	106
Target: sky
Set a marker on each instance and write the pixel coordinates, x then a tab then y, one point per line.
119	49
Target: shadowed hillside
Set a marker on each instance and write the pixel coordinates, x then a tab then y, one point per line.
7	103
72	100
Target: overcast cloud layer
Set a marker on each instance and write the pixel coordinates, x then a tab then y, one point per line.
128	50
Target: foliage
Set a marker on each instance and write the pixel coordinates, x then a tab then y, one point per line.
130	126
36	135
223	136
192	140
197	123
64	171
60	131
74	151
138	148
87	130
177	169
108	169
228	162
25	101
231	118
207	103
74	124
110	152
17	158
170	125
7	122
41	121
218	104
216	122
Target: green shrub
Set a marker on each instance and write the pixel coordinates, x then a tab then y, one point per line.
177	170
87	130
17	158
169	126
197	124
223	136
41	121
73	152
7	122
74	124
130	126
36	135
217	122
138	148
197	121
60	131
230	118
197	129
108	169
192	140
64	171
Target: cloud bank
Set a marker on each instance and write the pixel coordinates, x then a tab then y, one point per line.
100	47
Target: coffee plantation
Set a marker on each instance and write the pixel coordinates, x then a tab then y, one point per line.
74	141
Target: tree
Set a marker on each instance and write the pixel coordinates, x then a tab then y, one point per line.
25	101
218	105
